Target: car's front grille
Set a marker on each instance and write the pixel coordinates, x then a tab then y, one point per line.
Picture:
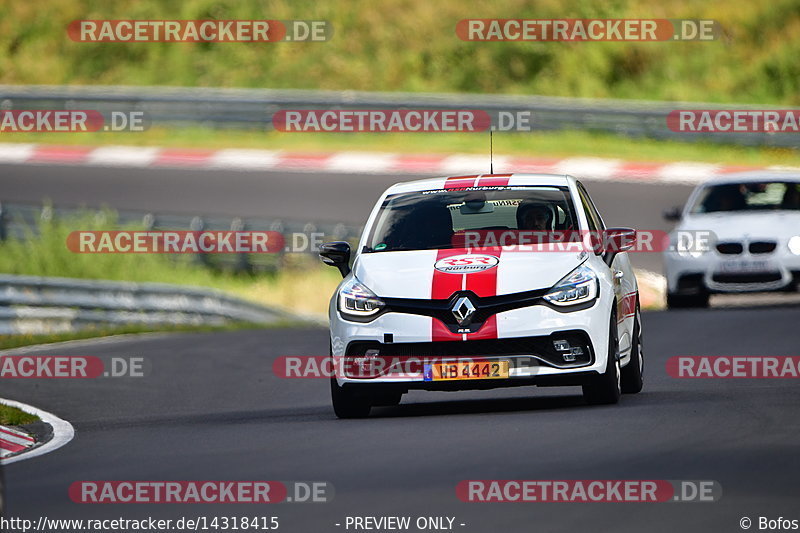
484	307
757	277
540	347
762	247
730	248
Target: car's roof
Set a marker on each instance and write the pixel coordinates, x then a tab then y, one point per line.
479	180
755	175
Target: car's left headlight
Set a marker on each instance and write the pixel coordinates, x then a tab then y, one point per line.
579	286
357	301
794	245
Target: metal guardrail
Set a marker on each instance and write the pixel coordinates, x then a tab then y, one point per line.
20	220
30	305
254	108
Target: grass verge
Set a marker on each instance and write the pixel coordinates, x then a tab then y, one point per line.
16	341
301	284
11	416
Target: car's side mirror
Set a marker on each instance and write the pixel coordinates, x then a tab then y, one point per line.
672	214
616	240
336	254
619	239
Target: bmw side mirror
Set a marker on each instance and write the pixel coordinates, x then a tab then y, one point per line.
672	214
336	254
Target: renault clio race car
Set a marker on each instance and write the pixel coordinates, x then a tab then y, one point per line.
448	291
737	234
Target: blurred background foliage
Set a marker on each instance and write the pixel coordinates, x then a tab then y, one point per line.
411	45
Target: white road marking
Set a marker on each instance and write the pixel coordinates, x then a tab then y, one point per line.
63	432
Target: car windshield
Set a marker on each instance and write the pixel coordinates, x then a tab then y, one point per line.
750	196
424	220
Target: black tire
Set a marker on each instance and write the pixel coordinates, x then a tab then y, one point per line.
386	399
347	404
676	301
606	388
633	372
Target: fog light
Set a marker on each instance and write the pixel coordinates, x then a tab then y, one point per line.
561	346
367	358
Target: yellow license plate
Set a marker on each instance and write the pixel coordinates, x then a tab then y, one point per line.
466	370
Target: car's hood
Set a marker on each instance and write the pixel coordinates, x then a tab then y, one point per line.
414	274
737	226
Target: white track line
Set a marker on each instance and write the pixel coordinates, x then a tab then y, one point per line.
63	432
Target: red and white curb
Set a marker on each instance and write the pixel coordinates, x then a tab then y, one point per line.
63	432
595	168
14	441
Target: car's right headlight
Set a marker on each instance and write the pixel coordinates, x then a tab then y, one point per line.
579	286
357	301
794	245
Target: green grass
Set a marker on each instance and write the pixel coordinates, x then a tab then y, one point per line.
538	144
301	285
8	342
410	45
11	416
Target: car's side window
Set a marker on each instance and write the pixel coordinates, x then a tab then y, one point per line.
588	212
594	218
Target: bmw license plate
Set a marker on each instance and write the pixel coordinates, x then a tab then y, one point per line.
466	370
744	266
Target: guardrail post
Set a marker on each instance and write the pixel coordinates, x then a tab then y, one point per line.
242	263
280	255
3	229
149	222
197	224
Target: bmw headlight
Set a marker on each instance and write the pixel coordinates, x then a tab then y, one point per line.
579	286
794	245
357	301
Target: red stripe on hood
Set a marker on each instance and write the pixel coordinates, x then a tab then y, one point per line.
444	285
482	283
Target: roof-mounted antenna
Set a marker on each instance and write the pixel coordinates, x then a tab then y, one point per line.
491	158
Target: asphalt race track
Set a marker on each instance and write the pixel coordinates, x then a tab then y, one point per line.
292	195
211	409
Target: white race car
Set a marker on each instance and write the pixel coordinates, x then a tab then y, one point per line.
739	233
445	293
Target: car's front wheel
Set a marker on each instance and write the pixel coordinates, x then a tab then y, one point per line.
348	404
607	387
633	373
678	301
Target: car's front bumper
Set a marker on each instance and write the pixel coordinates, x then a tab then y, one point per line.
523	336
711	273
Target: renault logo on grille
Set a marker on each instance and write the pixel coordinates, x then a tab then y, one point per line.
463	310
